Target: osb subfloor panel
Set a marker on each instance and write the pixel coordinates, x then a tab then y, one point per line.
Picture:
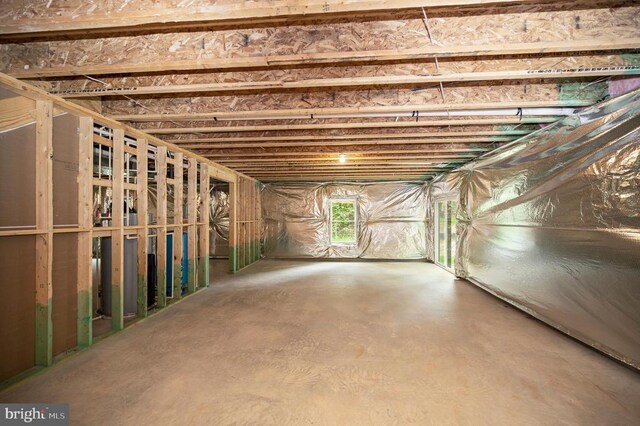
339	343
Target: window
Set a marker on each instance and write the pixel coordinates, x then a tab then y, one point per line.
343	221
446	236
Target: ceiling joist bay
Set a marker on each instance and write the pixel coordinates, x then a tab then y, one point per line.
433	52
354	82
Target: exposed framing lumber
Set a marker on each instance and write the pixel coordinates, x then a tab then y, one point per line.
340	169
143	235
85	207
161	232
46	106
178	228
468	140
343	178
32	92
242	225
258	219
203	234
117	235
300	113
16	111
353	82
252	14
370	125
44	241
233	226
229	155
353	136
335	58
333	157
192	213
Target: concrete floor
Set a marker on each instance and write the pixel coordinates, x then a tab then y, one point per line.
339	343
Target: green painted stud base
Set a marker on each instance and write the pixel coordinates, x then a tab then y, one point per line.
233	259
162	289
117	307
142	296
44	335
191	276
177	280
85	323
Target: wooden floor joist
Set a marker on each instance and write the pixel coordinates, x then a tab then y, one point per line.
366	125
319	113
333	162
246	155
353	136
228	15
334	58
379	158
354	82
491	139
329	177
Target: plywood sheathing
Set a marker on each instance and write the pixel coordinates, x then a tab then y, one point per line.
536	22
497	92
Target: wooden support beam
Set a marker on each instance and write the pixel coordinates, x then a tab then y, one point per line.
230	15
143	235
233	226
354	82
319	113
117	235
369	57
193	218
352	136
245	226
344	172
259	220
249	219
16	111
302	169
203	234
376	158
161	243
228	156
84	275
178	220
329	178
44	241
367	125
467	140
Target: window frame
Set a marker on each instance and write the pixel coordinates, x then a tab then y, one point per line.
353	201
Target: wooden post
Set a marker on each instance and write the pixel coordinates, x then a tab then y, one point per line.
250	212
85	221
245	220
203	235
44	241
143	238
258	220
177	233
117	235
161	179
233	226
242	198
193	219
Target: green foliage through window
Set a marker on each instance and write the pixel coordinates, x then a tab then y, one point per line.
343	221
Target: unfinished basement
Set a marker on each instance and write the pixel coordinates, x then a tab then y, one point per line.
337	212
